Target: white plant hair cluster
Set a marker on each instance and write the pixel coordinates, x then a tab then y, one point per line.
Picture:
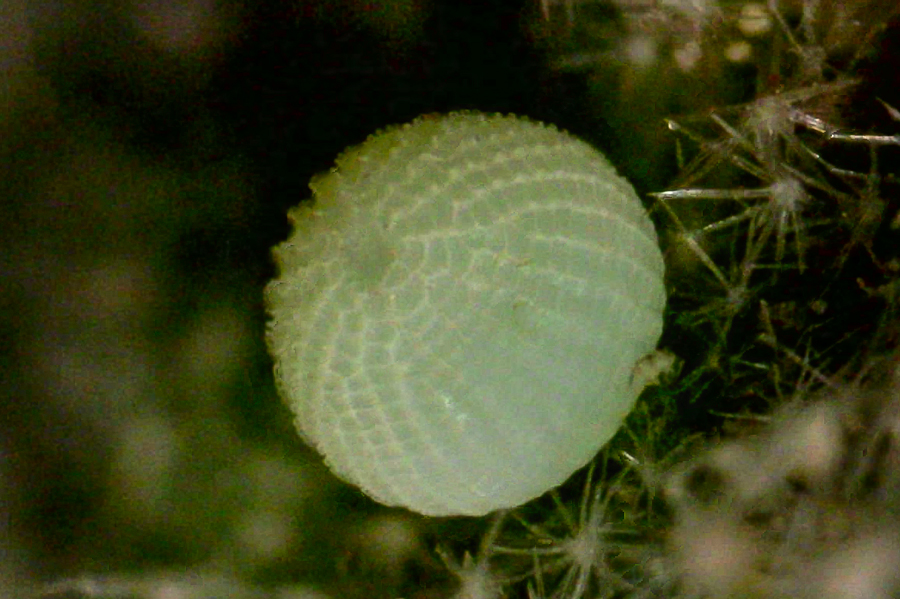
756	194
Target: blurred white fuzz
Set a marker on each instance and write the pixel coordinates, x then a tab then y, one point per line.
806	508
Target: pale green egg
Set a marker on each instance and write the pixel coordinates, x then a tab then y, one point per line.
458	313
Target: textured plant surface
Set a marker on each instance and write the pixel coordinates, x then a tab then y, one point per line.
145	452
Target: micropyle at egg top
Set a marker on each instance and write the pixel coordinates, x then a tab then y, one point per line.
459	310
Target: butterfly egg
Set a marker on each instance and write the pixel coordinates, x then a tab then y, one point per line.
458	312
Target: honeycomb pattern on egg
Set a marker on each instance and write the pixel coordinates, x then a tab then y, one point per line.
458	313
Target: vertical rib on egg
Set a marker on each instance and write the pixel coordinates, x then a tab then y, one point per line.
458	313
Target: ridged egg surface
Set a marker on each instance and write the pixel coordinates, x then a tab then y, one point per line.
458	313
